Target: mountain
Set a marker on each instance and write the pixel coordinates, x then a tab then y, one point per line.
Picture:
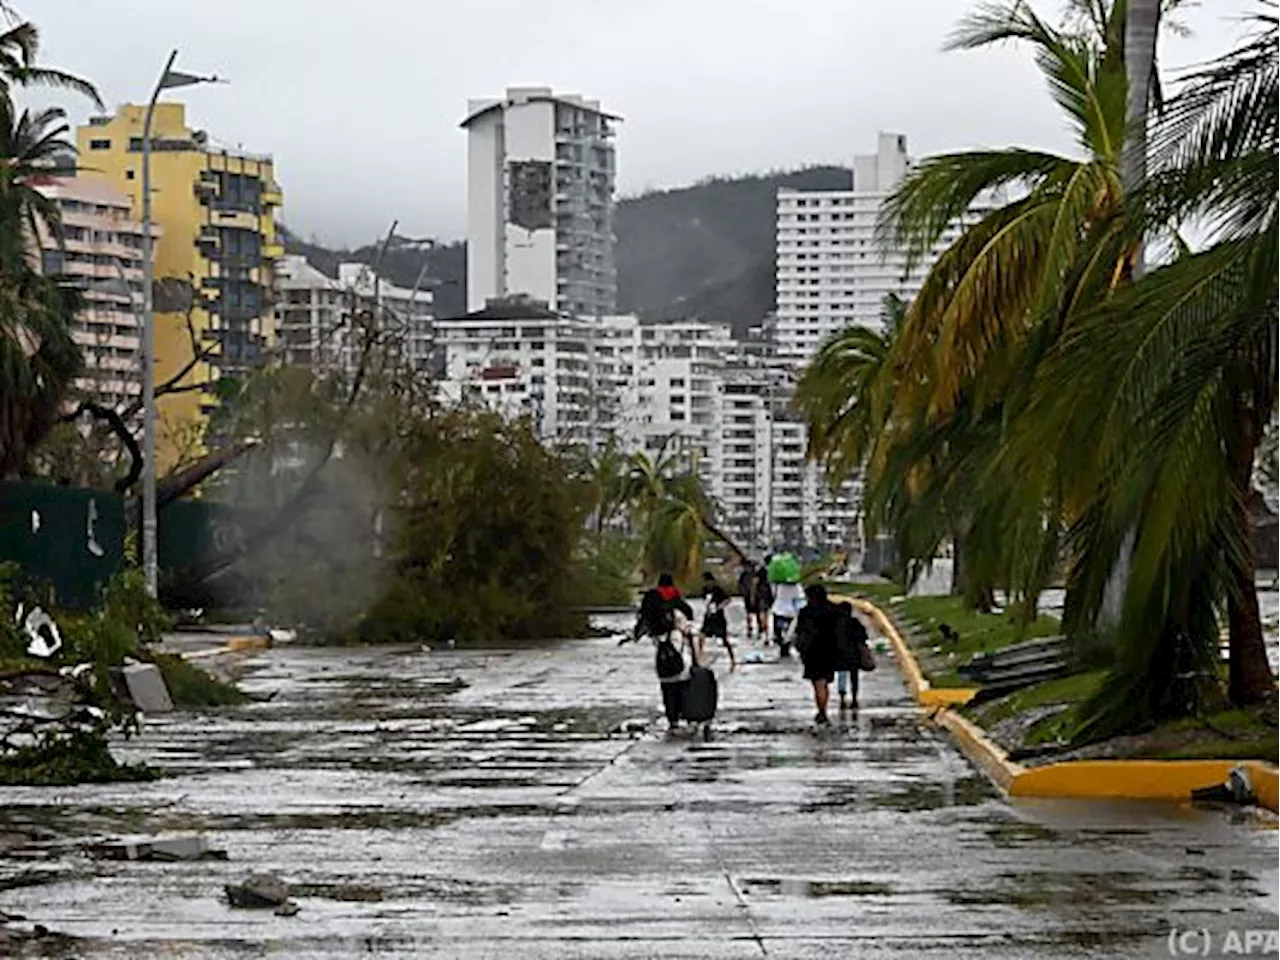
705	251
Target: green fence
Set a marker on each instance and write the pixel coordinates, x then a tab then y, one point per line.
71	541
67	540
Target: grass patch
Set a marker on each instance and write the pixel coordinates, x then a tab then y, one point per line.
189	686
976	633
1073	689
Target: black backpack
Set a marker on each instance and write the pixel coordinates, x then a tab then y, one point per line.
668	660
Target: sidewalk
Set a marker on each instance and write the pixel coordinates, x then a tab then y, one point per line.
484	804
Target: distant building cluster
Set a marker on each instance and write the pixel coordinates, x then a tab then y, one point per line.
542	337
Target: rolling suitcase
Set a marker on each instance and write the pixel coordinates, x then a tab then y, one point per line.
698	700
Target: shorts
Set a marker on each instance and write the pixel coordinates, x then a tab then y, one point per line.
754	609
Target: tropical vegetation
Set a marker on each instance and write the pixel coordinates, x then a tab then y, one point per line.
1048	402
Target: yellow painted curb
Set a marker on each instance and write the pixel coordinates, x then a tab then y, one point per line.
983	751
1139	779
1071	779
922	691
1266	783
237	644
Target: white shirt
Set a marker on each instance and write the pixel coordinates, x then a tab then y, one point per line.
788	599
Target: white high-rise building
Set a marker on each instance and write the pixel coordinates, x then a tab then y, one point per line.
831	271
540	183
311	317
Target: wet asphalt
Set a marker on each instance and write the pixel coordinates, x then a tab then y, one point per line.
526	804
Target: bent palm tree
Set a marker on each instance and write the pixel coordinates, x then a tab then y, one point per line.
1173	381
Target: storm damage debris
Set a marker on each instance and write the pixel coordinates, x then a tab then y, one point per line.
1237	789
147	688
36	705
262	891
182	847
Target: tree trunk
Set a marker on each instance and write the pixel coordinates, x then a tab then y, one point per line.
1141	27
720	535
1250	678
957	563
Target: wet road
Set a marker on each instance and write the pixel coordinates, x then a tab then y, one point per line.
500	804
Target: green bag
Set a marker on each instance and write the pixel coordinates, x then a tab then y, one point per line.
784	568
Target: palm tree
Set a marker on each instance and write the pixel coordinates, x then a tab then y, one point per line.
19	51
38	357
672	511
997	299
33	146
845	391
1180	375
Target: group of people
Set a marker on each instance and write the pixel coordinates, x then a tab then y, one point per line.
829	637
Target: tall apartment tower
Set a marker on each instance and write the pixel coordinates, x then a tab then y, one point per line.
215	210
831	271
540	182
100	253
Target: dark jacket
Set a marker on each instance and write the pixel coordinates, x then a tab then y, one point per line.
816	633
850	635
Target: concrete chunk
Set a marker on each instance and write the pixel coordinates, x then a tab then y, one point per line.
182	847
259	891
146	688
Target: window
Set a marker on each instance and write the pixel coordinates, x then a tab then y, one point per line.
128	174
99	144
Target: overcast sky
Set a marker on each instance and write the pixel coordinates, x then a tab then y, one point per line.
360	102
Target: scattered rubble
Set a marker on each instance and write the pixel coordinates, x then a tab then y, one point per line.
262	891
1238	790
147	688
182	847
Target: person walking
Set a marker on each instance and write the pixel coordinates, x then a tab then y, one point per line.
788	601
851	636
748	589
664	614
715	620
816	627
764	600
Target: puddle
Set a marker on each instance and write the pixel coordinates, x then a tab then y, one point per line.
1045	889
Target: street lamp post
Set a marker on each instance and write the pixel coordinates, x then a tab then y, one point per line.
169	78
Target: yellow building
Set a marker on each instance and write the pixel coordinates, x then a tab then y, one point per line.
213	262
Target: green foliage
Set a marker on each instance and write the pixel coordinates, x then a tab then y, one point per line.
191	687
83	758
607	570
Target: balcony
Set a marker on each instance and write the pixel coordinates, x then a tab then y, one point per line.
209	241
235	219
271	195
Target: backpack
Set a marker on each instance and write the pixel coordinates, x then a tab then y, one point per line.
668	660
